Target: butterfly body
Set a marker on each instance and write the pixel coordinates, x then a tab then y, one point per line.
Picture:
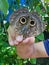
24	23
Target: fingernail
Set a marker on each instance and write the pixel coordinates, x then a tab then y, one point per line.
11	43
19	38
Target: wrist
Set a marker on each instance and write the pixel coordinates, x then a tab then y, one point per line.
40	50
34	51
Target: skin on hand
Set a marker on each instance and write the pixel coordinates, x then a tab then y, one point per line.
40	50
26	48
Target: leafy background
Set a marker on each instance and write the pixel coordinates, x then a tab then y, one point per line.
8	54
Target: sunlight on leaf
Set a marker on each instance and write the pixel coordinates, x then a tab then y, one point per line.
4	6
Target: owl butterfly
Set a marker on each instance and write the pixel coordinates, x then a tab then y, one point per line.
25	23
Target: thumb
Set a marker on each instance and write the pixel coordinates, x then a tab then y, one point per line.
29	40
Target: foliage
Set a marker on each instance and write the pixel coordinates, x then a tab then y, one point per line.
4	6
8	55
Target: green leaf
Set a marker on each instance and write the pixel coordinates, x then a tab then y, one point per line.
18	1
46	1
4	6
41	36
38	9
33	61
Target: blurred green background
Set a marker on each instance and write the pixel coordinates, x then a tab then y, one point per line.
8	54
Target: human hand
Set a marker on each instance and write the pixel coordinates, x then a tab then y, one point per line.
25	48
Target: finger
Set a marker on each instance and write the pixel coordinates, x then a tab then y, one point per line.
11	32
15	42
11	42
29	40
19	38
11	36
